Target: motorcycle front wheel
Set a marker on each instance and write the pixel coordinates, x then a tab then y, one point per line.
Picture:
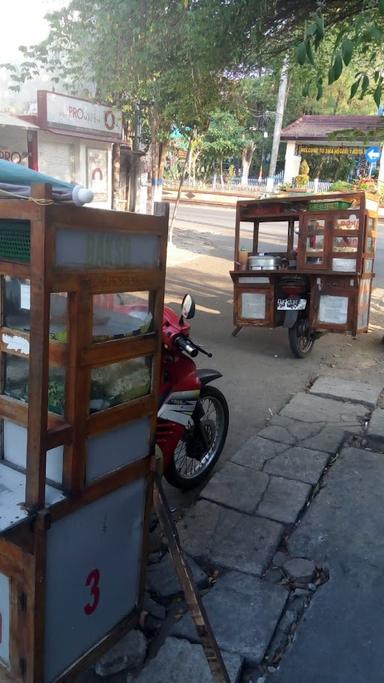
197	453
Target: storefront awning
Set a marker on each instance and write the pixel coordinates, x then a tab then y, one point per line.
84	136
9	120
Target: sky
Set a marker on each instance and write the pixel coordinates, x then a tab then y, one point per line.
22	23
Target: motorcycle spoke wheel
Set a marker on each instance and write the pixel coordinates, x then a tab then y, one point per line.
301	339
186	471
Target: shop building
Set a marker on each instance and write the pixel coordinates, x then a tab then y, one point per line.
16	138
74	141
331	135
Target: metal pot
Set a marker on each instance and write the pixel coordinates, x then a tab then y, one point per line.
264	262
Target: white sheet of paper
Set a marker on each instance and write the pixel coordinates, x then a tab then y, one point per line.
333	309
25	297
253	305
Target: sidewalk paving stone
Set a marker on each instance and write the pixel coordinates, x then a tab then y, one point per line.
256	451
376	429
229	538
347	518
346	390
162	579
179	661
319	436
243	611
237	487
309	408
284	499
128	653
340	637
298	463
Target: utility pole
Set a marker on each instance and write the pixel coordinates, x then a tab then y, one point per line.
280	107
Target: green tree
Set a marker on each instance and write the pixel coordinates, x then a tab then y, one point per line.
165	57
223	140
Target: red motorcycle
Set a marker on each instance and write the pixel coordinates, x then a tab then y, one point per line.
193	417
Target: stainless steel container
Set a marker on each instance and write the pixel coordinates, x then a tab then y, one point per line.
264	262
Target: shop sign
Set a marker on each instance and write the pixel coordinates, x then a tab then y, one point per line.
313	149
14	156
70	113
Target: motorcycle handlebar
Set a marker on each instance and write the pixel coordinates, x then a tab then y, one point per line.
186	345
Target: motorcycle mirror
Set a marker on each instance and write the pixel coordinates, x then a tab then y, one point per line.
188	307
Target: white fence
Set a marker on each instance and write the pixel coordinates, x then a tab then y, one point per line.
235	184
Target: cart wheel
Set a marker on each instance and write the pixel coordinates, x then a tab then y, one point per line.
301	339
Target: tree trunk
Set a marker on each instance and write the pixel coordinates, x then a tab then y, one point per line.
280	106
221	174
247	156
158	152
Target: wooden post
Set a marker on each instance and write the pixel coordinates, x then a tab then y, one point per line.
192	597
39	355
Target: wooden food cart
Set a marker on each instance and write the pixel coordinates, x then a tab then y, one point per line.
78	404
321	281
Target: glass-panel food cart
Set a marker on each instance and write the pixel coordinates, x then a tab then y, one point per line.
322	280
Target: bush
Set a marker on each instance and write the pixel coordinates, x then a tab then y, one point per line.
341	186
367	184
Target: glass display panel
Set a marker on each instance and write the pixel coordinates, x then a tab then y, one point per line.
315	242
123	314
56	390
17	303
333	309
345	243
370	244
315	225
17	308
17	379
253	305
314	260
97	249
120	382
368	265
347	223
58	317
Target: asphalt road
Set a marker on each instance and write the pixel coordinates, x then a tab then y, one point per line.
259	371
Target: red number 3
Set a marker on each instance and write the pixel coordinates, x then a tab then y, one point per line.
93	581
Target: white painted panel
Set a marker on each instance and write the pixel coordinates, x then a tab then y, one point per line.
111	450
93	568
4	618
15	451
12	496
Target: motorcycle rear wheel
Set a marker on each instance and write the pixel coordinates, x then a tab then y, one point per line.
301	339
186	472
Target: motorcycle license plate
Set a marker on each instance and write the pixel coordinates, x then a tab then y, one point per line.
291	304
